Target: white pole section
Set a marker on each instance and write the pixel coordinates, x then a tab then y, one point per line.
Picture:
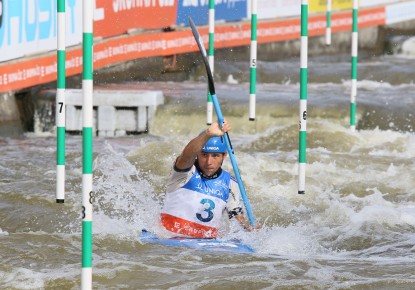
87	132
60	104
253	62
303	97
211	57
328	23
354	66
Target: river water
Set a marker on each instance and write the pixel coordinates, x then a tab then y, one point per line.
353	229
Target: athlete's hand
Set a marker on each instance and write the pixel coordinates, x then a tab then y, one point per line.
216	130
251	228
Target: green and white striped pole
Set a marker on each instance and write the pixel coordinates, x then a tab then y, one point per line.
303	97
253	61
354	66
328	23
211	58
87	132
60	114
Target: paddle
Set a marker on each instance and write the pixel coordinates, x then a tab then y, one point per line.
221	120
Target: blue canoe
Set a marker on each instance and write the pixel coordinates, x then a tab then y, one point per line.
202	244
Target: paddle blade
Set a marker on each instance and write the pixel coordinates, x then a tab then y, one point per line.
204	56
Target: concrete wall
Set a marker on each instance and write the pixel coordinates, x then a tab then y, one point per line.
10	116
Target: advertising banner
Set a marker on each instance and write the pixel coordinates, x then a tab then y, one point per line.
371	3
321	5
29	27
37	70
198	10
119	16
275	8
400	12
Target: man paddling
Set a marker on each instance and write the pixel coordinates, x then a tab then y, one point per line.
199	191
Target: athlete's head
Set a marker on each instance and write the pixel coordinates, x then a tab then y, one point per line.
211	157
215	145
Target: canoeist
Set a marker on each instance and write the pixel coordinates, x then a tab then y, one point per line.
199	191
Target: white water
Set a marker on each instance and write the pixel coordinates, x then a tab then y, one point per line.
353	229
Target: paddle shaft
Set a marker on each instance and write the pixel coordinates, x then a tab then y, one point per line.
233	161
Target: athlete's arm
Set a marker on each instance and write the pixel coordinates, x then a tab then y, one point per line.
235	209
178	178
188	156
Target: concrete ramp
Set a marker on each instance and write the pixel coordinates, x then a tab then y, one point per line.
115	112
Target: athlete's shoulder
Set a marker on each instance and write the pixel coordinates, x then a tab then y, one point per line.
228	175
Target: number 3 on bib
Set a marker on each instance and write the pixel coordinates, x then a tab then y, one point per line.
209	206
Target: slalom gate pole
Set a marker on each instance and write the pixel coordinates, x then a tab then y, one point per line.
221	120
87	133
303	97
253	61
354	66
328	23
209	104
60	103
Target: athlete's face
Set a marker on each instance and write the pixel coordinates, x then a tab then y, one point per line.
209	163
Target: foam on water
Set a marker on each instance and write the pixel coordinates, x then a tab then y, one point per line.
330	219
126	200
408	47
354	227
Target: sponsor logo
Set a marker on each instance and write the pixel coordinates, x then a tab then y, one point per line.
213	148
209	191
197	3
